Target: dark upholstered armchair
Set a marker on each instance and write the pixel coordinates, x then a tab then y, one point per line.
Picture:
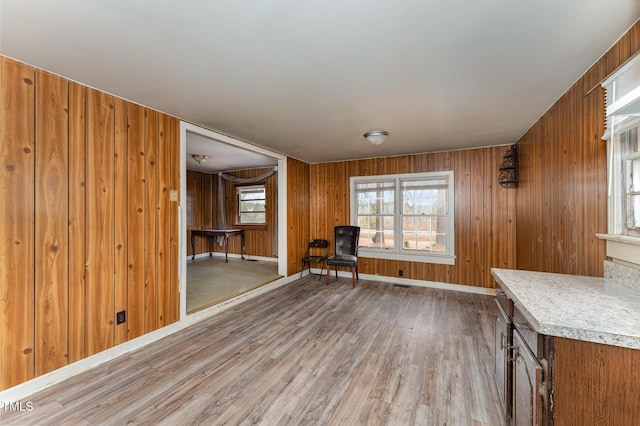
346	251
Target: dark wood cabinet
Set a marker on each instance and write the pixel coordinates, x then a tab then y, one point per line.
528	385
554	381
522	365
567	378
503	354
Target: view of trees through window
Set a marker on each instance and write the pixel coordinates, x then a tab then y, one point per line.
630	148
412	213
252	205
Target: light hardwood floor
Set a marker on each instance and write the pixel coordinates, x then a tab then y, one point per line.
306	353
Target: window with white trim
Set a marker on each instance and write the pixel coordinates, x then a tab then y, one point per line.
252	205
623	149
405	216
631	183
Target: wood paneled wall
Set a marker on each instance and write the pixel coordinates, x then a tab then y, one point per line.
298	213
484	212
87	227
201	190
562	197
202	207
606	377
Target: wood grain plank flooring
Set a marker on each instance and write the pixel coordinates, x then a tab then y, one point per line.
305	353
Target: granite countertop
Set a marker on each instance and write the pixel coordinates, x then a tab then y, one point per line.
576	307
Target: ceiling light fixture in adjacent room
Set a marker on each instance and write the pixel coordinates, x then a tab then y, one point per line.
200	158
376	137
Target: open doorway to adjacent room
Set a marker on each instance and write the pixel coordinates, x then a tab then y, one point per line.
232	216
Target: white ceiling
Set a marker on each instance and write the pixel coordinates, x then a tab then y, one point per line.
308	78
223	157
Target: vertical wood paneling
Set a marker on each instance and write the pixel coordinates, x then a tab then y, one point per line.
100	221
260	239
17	189
136	221
199	210
51	220
150	240
298	197
163	217
478	243
481	205
562	198
463	222
77	203
634	42
202	206
76	176
121	214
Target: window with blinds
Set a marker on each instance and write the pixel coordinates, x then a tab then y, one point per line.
252	205
405	217
622	95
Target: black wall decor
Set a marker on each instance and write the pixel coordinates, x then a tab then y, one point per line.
508	171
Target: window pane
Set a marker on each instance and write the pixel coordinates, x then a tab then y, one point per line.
425	196
252	218
252	204
424	233
416	225
425	201
374	185
376	231
375	198
634	175
255	194
424	205
426	183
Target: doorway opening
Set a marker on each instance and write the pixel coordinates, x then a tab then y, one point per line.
227	256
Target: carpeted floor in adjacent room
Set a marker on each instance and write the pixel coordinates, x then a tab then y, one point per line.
210	280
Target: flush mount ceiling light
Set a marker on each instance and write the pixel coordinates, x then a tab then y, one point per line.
376	137
200	158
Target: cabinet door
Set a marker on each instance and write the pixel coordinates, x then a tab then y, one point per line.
527	384
503	342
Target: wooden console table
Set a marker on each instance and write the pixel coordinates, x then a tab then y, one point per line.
210	233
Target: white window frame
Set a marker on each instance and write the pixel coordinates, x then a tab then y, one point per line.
242	189
622	95
627	159
398	252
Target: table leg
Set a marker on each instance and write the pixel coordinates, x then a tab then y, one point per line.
226	249
242	243
193	246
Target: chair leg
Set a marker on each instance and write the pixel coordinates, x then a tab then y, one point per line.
353	277
321	270
328	273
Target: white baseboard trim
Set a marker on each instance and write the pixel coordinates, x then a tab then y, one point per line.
416	283
37	384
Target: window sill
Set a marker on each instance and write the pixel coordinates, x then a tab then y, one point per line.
438	259
622	247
